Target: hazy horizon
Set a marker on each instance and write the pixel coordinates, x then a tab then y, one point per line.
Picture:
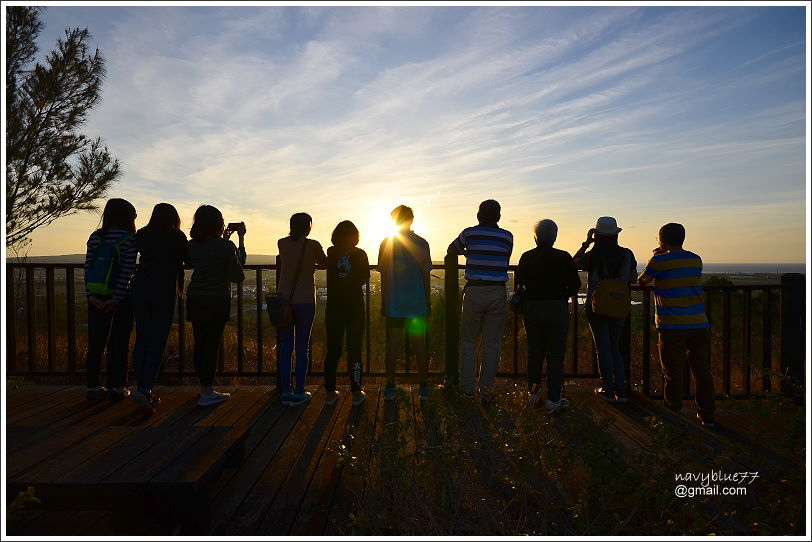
650	114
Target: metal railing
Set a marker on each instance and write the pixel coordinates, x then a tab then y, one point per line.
61	350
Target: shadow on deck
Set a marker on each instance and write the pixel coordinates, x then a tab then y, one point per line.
447	466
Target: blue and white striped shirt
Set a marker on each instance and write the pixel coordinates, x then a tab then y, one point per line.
487	251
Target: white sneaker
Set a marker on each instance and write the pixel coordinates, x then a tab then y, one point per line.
358	397
330	397
561	403
212	398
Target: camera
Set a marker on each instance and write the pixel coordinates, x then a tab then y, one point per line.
238	227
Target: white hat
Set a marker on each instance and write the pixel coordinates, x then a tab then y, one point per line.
607	225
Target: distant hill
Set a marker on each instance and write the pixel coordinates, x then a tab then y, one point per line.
259	259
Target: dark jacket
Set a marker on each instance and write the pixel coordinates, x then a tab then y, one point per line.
163	253
547	273
347	273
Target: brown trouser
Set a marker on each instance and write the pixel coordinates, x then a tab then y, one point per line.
678	346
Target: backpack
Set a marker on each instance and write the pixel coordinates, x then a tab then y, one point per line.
103	271
611	296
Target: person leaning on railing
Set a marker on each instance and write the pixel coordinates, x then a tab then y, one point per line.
216	262
681	321
545	280
607	261
299	257
156	284
487	249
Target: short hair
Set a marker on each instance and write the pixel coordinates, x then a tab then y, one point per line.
345	233
545	231
208	222
300	224
489	211
118	212
673	234
402	214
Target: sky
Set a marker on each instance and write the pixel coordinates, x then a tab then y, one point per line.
649	114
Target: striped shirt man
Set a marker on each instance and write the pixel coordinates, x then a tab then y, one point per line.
487	251
128	251
677	290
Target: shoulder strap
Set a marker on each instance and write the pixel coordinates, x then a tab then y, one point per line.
298	268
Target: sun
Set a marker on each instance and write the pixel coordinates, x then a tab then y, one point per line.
379	224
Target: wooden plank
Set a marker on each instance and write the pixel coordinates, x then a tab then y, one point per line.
251	511
245	413
154	460
45	443
94	471
18	397
348	486
231	410
175	404
53	403
67	458
197	465
307	503
267	436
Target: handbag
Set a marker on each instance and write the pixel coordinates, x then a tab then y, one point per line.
277	305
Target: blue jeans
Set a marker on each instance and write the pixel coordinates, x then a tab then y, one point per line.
606	332
153	321
299	330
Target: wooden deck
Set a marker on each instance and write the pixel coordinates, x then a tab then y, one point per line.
251	466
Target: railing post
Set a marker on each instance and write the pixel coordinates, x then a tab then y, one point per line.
452	319
766	338
240	337
50	313
70	291
31	317
276	278
575	334
793	297
646	347
747	340
626	349
260	345
181	334
726	339
11	320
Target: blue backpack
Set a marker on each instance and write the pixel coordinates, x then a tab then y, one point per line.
103	271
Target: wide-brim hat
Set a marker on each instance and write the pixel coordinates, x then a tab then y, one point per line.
607	225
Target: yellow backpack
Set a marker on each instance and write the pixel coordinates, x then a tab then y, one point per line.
611	296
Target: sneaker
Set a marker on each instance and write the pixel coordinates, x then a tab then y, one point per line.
424	393
299	399
285	397
561	403
117	394
146	401
212	398
330	397
705	422
94	395
358	397
607	396
622	396
389	392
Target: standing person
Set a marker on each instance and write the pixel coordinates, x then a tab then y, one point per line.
404	262
546	278
216	262
607	261
156	285
487	249
299	256
681	322
109	265
347	272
